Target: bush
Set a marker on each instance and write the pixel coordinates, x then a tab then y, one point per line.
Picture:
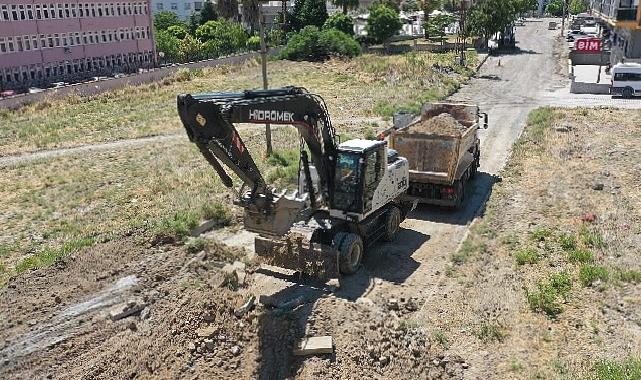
253	43
383	23
222	37
341	22
527	256
276	37
547	298
579	255
311	44
591	273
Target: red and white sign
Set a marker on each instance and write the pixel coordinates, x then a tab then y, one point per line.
588	45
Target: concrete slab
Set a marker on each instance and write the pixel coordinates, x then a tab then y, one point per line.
315	345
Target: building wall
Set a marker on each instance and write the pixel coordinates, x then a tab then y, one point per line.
182	8
69	40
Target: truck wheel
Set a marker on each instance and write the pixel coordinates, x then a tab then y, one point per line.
627	92
392	224
460	194
350	251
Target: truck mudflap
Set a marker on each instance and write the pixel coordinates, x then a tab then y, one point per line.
296	252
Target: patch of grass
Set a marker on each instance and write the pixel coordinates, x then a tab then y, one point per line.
409	324
539	120
549	294
567	242
491	332
527	256
628	369
370	134
439	337
591	238
230	281
588	274
485	229
3	269
177	225
511	240
515	366
217	212
6	249
540	233
468	249
629	275
196	245
285	163
580	256
384	108
49	256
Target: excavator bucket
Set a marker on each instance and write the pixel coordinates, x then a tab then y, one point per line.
297	251
274	217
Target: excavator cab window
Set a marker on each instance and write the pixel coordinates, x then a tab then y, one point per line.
356	179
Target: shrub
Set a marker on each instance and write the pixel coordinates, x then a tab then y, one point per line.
253	43
527	256
582	256
340	22
547	298
591	238
383	22
588	274
567	242
276	37
222	37
311	44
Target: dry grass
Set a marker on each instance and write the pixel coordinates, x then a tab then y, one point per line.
563	304
368	85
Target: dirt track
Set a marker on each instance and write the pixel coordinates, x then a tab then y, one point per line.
54	321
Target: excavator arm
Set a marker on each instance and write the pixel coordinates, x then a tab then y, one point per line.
209	121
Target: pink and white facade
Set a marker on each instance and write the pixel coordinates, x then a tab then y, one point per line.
69	40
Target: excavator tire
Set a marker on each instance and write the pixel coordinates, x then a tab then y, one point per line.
392	223
350	251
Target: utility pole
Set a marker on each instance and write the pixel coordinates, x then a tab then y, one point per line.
263	58
563	16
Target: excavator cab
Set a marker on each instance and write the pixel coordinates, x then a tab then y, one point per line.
360	166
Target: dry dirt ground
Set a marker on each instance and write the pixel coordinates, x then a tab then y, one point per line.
420	308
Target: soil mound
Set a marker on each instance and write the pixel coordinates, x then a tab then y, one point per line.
443	124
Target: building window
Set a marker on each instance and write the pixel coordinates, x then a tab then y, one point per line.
159	6
187	6
174	6
198	5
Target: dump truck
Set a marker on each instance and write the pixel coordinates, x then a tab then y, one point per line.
442	148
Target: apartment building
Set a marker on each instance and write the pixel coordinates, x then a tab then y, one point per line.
622	19
182	8
70	40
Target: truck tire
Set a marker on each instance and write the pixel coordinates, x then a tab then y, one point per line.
350	251
460	194
392	223
627	92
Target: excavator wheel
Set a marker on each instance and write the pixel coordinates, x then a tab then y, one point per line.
392	223
350	251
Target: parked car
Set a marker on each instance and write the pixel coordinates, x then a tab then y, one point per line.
573	34
119	75
626	80
59	84
35	90
7	93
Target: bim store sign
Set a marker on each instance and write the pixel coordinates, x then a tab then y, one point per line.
588	45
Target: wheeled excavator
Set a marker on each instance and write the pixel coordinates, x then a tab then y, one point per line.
349	195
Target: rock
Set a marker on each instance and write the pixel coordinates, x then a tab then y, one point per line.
208	318
133	306
314	345
392	304
235	350
144	314
132	326
589	217
246	307
562	128
384	360
364	301
598	186
31	322
209	344
206	332
57	299
191	347
464	365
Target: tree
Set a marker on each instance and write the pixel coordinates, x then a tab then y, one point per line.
340	21
437	24
393	4
312	44
208	13
488	17
168	44
165	19
190	48
555	8
429	6
346	4
228	9
222	37
178	31
308	12
383	23
577	6
194	22
250	14
409	6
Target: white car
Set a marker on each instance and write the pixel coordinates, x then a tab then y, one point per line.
35	90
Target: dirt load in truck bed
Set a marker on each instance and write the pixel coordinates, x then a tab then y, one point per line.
443	124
